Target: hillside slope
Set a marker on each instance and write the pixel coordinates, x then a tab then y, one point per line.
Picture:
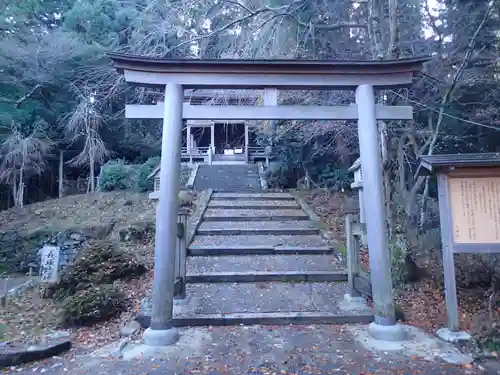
69	221
79	211
105	215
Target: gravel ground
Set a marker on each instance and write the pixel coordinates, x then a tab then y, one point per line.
256	350
262	263
261	297
258	240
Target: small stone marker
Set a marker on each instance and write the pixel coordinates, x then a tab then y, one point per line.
49	263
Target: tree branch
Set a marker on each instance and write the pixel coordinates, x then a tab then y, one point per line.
446	98
283	11
28	95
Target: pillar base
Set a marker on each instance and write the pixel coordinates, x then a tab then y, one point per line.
351	298
394	332
180	300
351	303
160	337
452	336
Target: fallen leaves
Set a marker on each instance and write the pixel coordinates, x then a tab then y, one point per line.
28	316
423	302
81	211
106	332
330	206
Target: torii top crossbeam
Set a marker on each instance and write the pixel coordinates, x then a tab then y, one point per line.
255	74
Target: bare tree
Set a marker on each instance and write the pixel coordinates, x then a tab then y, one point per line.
22	156
83	125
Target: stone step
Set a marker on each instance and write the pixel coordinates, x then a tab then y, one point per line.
243	250
253	196
257	227
252	241
254	204
265	303
262	276
281	318
253	268
214	214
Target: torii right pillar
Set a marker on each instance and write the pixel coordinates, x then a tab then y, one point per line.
384	327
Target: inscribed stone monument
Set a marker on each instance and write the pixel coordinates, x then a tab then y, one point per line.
49	263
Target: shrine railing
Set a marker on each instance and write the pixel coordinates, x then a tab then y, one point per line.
197	153
259	152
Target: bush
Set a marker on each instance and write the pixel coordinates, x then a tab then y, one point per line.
333	177
184	175
186	198
489	339
116	175
137	231
94	304
100	262
474	270
280	175
143	183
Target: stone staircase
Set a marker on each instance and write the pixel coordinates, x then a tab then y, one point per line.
228	178
256	258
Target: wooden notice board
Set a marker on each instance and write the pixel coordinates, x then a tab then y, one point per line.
475	206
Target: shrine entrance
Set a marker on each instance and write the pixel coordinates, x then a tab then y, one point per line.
363	77
209	140
226	141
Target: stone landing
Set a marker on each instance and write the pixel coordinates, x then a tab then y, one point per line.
228	178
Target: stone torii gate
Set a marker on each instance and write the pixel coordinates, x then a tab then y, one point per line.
363	76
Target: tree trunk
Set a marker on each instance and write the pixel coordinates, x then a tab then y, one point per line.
384	146
423	205
92	172
401	167
393	30
20	189
14	190
375	28
61	173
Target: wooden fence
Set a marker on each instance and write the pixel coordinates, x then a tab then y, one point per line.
358	279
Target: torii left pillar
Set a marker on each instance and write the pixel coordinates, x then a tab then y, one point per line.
162	332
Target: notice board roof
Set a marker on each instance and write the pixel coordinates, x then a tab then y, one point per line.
428	165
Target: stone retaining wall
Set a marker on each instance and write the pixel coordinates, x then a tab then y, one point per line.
19	250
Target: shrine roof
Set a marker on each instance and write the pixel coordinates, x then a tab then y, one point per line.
355	166
430	164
